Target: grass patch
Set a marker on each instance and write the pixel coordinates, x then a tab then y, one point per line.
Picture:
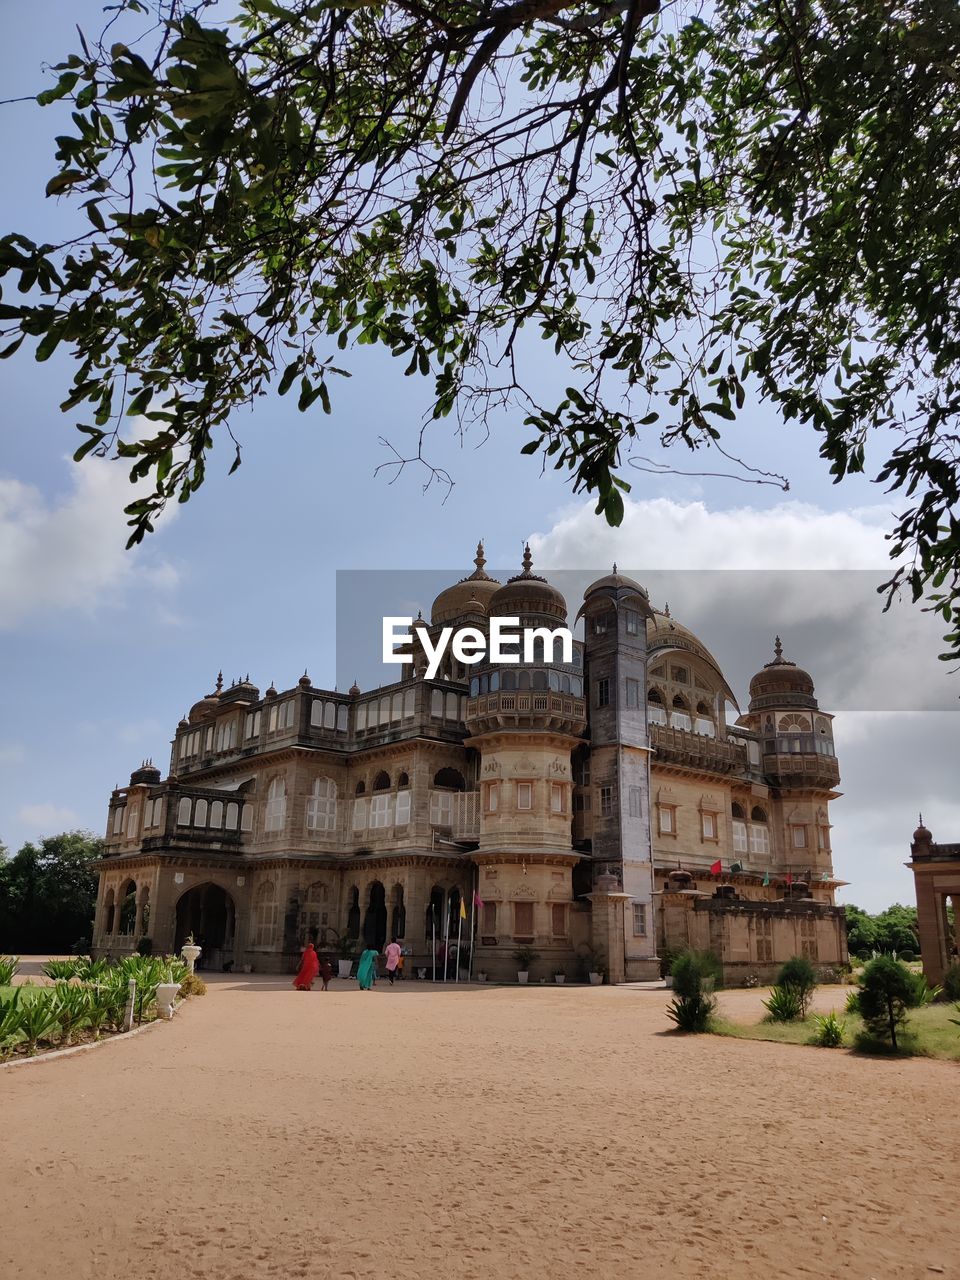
929	1033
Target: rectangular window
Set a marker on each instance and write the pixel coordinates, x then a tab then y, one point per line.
606	802
117	820
667	819
493	797
823	837
764	939
524	795
799	837
558	915
708	826
633	801
632	692
246	818
556	797
603	693
639	920
380	811
148	815
252	725
631	621
489	925
441	808
523	919
403	808
360	814
759	838
133	813
739	836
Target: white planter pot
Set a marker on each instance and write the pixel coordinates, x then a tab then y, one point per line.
522	976
343	968
191	954
481	977
596	979
668	982
166	995
559	979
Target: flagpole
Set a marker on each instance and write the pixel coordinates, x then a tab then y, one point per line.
433	937
473	908
446	935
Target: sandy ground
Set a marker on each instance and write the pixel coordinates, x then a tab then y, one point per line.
418	1132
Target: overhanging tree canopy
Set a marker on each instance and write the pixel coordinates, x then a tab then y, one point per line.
686	204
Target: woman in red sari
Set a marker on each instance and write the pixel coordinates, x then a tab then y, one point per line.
309	968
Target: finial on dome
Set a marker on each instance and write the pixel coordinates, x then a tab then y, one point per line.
666	609
527	559
304	682
354	688
480	559
614	566
220	681
778	650
419	615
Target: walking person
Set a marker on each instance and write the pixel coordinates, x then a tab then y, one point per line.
326	973
309	968
394	956
367	969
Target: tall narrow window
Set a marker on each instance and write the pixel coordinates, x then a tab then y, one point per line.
216	814
556	797
493	797
631	622
708	826
380	810
799	837
360	813
183	812
403	809
606	802
133	814
558	920
739	836
276	812
603	693
639	920
632	692
667	819
233	814
441	808
489	925
524	795
200	813
633	801
523	919
265	915
322	806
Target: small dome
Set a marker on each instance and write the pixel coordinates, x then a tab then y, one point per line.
305	682
463	597
203	709
147	773
184	723
272	691
614	582
922	835
528	593
782	684
354	690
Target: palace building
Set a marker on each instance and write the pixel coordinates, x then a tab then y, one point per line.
575	809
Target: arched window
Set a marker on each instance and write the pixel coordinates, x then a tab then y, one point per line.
265	914
555	681
508	680
200	813
384	710
396	706
409	704
361	788
475	687
737	811
436	703
128	908
494	681
680	703
342	718
452	779
322	806
757	814
759	832
540	680
403	780
109	912
216	814
453	707
653	695
523	680
680	715
382	781
233	813
484	684
276	812
143	912
183	812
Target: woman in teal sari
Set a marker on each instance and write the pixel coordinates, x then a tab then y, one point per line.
367	969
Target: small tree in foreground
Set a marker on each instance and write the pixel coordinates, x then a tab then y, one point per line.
691	1008
886	990
799	975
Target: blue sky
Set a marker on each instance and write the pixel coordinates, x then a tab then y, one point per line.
102	650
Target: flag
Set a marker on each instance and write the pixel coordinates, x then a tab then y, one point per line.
477	900
825	875
789	877
736	866
463	910
716	867
766	877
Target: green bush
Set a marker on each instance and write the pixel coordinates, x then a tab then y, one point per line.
800	976
922	994
886	989
61	970
692	970
145	946
785	1005
9	967
829	1030
853	1002
951	983
11	1017
692	1007
192	986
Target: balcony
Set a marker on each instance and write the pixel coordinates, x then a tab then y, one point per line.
696	750
510	708
795	769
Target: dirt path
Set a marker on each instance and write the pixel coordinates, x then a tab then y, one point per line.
487	1134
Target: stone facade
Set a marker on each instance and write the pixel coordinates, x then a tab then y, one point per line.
936	876
573	808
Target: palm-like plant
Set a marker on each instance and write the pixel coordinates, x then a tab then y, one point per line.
10	1019
38	1020
8	969
71	1006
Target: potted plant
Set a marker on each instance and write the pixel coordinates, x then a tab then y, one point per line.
524	957
597	975
481	975
559	976
346	949
167	992
190	952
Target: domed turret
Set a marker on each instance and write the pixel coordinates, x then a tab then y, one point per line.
527	594
781	684
615	584
148	773
462	598
203	709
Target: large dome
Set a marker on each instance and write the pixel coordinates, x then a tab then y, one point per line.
456	601
782	684
613	584
527	594
666	634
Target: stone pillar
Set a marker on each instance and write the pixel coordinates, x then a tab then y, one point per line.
608	905
931	926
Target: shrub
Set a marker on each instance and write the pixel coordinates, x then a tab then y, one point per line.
785	1005
9	966
829	1030
800	976
145	946
38	1020
11	1017
886	989
524	958
922	994
691	1008
70	1006
853	1002
951	983
61	970
192	986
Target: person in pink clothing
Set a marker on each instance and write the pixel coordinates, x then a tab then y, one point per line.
392	954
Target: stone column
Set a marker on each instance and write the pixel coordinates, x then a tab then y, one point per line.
608	905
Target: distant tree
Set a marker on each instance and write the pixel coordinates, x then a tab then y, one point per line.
48	893
897	929
689	204
886	992
861	931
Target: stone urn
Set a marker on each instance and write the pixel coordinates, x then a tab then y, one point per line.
522	976
191	953
166	995
559	979
596	979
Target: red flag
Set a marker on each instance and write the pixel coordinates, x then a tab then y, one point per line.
789	877
477	900
716	867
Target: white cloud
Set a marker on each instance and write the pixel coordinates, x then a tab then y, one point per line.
47	819
69	554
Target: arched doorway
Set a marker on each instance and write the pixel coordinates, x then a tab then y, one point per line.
353	914
375	920
398	917
207	912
